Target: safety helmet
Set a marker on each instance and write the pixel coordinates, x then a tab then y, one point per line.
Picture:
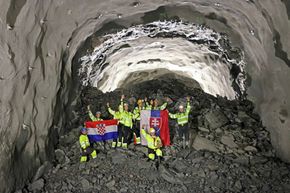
83	130
181	107
151	130
125	104
98	112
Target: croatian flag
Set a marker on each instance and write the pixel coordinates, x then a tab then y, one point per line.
159	121
102	130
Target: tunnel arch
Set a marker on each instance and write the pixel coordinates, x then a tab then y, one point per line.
181	47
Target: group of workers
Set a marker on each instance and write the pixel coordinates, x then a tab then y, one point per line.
129	126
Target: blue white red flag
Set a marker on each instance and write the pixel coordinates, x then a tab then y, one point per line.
159	121
102	130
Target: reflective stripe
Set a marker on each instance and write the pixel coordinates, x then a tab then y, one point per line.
83	159
127	118
159	152
124	145
137	111
151	156
94	154
182	118
151	142
138	140
84	141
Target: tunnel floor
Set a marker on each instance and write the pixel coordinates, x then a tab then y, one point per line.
230	151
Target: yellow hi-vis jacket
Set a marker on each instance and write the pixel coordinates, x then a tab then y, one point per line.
182	118
116	114
93	118
127	117
153	142
84	141
137	111
150	107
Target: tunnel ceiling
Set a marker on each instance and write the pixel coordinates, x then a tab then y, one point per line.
190	50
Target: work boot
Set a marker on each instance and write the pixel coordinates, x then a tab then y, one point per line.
157	162
114	144
83	159
125	145
138	140
187	144
183	143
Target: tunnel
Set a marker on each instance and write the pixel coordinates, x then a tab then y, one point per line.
53	51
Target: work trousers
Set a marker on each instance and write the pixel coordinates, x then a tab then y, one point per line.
137	128
183	131
87	151
152	154
127	134
120	134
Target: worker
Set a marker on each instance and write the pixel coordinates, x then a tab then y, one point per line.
137	113
85	146
127	122
153	142
117	115
148	105
182	121
97	117
154	104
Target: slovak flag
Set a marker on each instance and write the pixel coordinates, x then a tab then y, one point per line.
159	121
102	130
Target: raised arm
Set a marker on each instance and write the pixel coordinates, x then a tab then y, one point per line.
188	107
135	115
143	132
162	107
165	104
91	115
147	105
111	111
121	106
172	116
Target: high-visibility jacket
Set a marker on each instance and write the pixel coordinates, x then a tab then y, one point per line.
150	107
84	141
137	111
116	114
93	118
152	142
126	116
182	118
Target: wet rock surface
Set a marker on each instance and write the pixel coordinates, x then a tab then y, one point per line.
237	156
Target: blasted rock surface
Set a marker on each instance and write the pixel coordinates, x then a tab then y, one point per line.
39	38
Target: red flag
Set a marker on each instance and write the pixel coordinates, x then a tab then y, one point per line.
164	130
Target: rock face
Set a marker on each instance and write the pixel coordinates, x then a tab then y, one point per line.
188	170
38	42
215	119
237	157
201	143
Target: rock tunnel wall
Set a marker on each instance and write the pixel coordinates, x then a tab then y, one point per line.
38	40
